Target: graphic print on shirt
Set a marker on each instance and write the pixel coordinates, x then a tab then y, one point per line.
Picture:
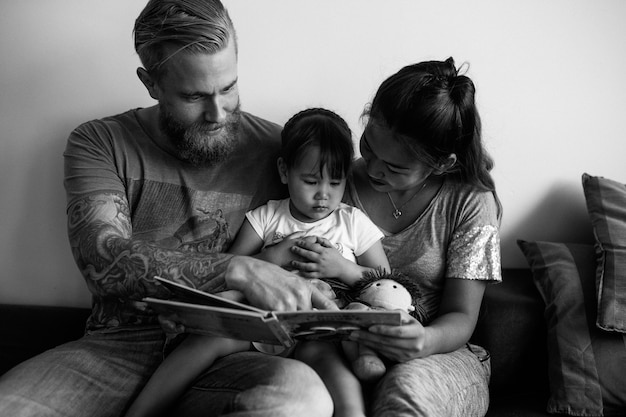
174	217
180	218
205	233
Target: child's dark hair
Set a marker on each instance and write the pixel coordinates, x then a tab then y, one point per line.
322	128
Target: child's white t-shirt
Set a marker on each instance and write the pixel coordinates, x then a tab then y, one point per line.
347	227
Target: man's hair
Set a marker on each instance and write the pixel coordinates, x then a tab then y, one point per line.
193	26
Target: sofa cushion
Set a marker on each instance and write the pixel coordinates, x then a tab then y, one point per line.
587	366
606	204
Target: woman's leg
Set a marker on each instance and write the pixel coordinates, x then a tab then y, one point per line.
253	384
454	384
178	371
96	375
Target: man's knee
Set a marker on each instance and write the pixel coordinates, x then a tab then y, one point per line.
258	384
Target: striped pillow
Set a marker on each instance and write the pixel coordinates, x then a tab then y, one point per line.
587	366
606	204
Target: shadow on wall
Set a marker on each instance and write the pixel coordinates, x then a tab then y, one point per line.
561	216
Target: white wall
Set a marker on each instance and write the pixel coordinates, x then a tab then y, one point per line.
549	73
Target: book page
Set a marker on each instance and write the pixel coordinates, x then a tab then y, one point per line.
224	322
208	314
334	324
192	296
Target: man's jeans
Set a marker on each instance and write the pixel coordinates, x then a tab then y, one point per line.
101	373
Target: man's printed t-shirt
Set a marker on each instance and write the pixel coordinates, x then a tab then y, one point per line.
172	204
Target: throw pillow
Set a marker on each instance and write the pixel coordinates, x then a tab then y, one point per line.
587	366
606	204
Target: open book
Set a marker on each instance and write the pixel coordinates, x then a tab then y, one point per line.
208	314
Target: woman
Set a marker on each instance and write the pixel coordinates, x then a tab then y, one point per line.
424	180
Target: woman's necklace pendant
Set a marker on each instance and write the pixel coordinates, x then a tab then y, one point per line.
396	210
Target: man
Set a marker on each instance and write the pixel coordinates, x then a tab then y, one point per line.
162	191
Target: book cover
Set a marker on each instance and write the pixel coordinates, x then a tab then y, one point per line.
208	314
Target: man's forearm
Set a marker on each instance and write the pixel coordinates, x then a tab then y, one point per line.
116	265
137	262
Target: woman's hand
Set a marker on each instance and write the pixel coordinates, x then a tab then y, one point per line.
398	343
323	260
449	331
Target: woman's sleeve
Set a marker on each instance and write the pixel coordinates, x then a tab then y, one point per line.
474	250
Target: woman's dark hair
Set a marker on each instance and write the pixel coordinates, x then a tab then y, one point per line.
322	128
431	107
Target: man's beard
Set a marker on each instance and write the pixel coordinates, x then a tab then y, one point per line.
195	144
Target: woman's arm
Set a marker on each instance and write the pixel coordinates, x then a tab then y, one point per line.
452	328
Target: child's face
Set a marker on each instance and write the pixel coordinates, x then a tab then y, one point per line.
313	196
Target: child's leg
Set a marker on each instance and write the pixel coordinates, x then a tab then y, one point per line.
179	370
366	364
344	387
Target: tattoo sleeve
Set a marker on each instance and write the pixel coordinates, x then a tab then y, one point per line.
115	264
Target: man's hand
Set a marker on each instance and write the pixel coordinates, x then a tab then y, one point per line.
271	287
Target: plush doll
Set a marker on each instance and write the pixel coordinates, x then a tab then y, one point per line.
384	291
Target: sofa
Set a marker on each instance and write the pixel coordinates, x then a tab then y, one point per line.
556	331
511	327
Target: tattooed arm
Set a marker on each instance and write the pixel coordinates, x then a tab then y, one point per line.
115	264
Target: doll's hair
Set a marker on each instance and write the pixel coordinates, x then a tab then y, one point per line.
411	286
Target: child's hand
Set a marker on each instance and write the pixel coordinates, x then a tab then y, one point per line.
280	253
322	260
